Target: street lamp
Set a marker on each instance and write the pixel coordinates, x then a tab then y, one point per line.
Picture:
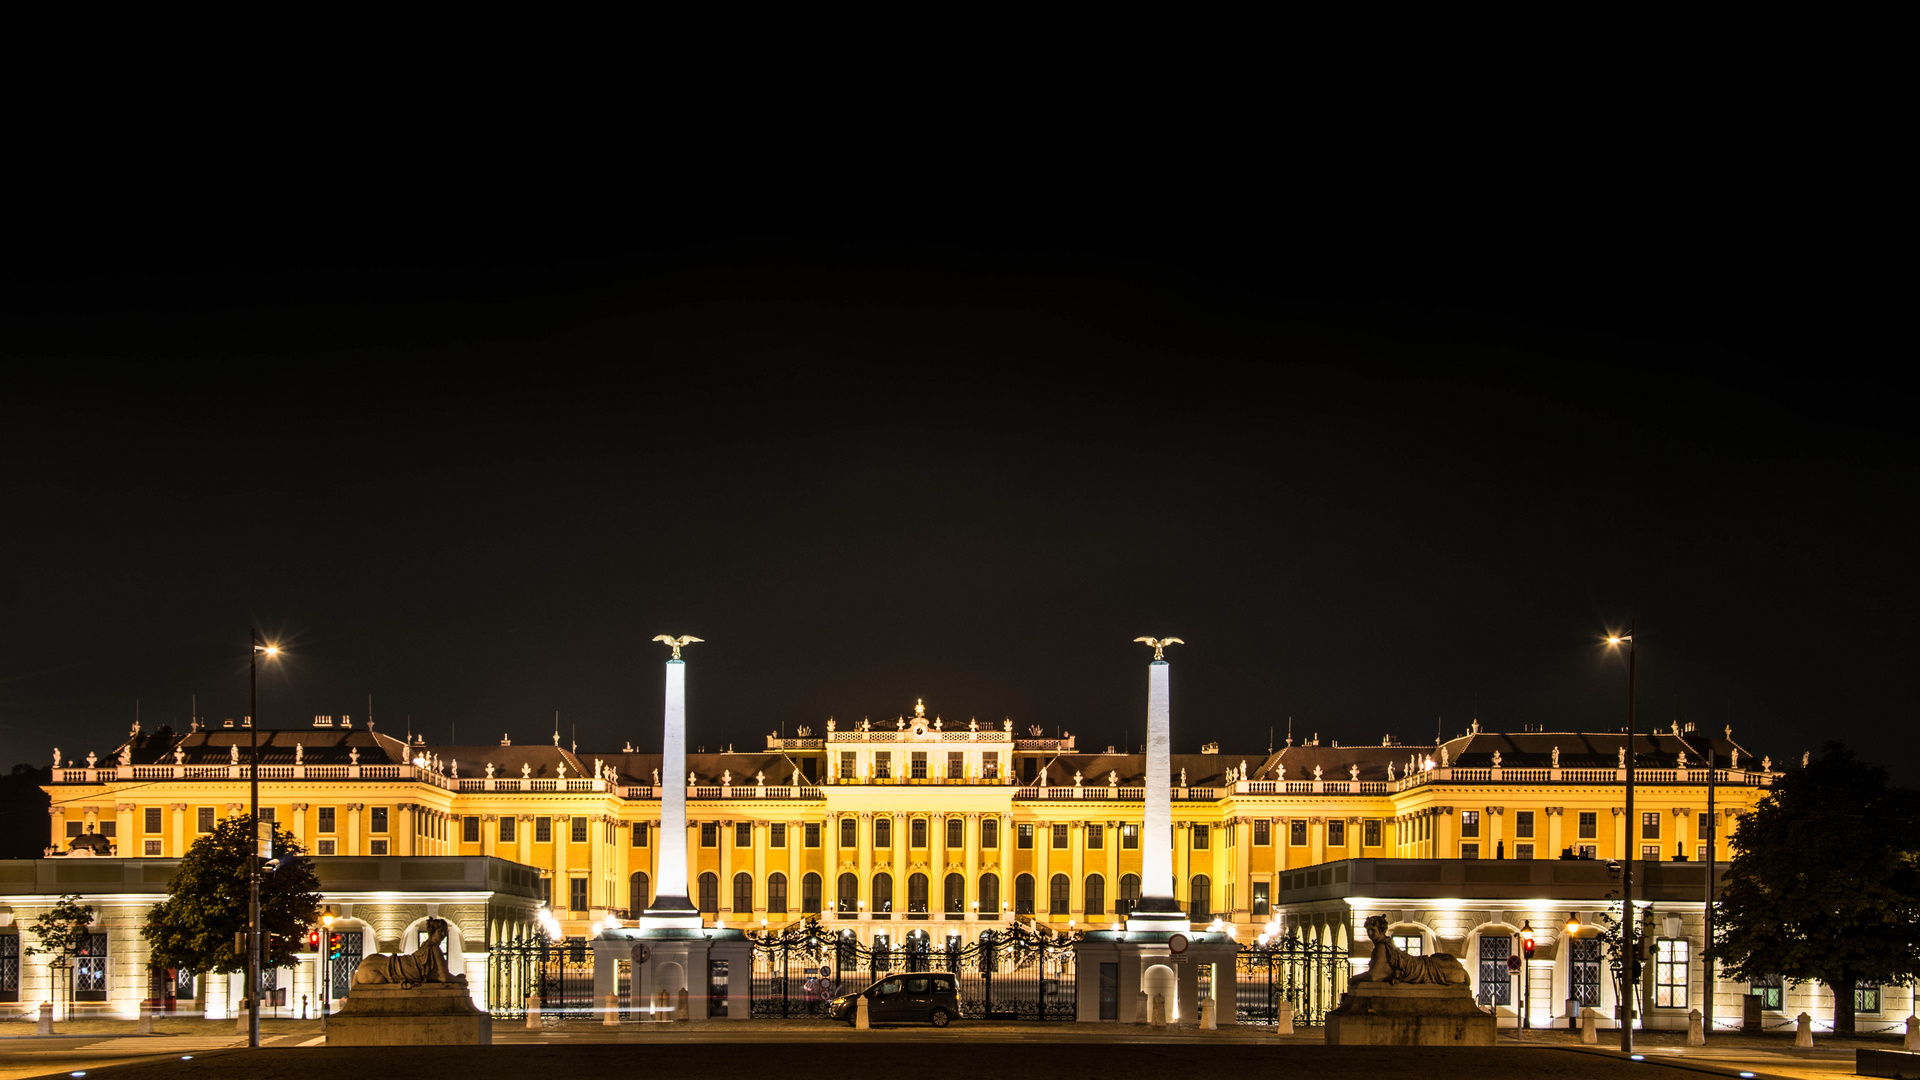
253	824
1630	988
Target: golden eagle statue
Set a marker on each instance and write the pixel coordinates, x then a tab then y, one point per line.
676	642
1160	644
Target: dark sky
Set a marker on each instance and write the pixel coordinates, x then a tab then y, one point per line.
1382	479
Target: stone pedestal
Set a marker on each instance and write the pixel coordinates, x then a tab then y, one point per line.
1376	1014
432	1015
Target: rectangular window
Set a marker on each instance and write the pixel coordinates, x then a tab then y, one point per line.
1200	837
469	830
75	828
112	828
847	765
1372	835
379	819
577	894
813	834
1585	963
990	832
1650	825
546	890
1496	986
743	834
849	831
1060	837
883	765
1129	837
1670	973
1866	997
1411	944
1297	832
1650	852
151	847
1469	851
266	813
639	838
777	834
1523	824
1470	823
203	820
917	833
1770	992
90	969
1523	851
990	765
1262	832
506	828
1096	836
324	847
1705	828
326	819
152	818
9	967
1702	853
1024	837
1588	851
543	830
379	847
956	831
883	830
710	834
1259	898
578	833
1589	825
956	765
918	765
1337	833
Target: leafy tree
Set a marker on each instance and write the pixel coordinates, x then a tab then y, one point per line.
60	929
194	928
1611	938
1825	882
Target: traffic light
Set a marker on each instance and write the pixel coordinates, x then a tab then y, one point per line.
333	946
313	941
1526	941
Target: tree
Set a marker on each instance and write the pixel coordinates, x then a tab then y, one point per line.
1825	882
61	930
1611	937
194	928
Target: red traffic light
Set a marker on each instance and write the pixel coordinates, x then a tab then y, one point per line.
313	939
1526	946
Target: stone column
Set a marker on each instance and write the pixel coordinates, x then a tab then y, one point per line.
299	829
1006	858
796	870
830	863
1077	874
671	907
1317	838
1112	842
1182	859
1042	870
762	837
1444	841
353	828
178	813
1156	842
489	833
1622	835
1556	817
937	863
58	827
562	890
524	836
1356	837
726	870
125	840
865	884
1281	831
1496	818
902	821
970	894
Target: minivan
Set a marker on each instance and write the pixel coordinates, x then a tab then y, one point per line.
931	996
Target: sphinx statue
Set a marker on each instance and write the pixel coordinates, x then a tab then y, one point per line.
426	964
1392	966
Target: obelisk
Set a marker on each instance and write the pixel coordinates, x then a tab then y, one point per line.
671	907
1158	909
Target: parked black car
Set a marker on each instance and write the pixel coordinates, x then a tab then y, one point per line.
931	996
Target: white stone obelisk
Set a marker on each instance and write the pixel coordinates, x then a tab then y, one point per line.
671	907
1158	909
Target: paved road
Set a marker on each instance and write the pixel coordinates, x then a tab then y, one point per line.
58	1055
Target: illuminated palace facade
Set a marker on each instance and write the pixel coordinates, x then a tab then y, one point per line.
919	826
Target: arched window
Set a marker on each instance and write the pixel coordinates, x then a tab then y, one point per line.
919	832
849	831
883	830
1023	895
776	894
743	893
990	893
637	895
1129	895
956	895
989	832
1057	895
849	893
710	893
1096	895
956	831
1200	899
917	894
810	894
882	892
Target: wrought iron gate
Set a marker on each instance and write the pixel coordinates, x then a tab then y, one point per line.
561	972
1310	976
1006	973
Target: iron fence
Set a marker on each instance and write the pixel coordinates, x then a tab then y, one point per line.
1005	973
1310	976
560	972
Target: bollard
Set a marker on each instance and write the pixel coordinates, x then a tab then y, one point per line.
1589	1034
1573	1014
303	1006
145	1024
1207	1022
1913	1034
1803	1035
612	1016
240	1020
1283	1018
323	1016
1696	1029
46	1018
661	1010
860	1013
1157	1011
533	1012
1140	1007
683	1012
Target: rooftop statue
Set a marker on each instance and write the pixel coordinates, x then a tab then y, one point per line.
1353	772
353	756
676	642
426	964
489	770
56	757
1159	645
1390	965
233	754
1556	757
1496	759
179	754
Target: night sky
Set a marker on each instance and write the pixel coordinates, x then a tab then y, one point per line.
1381	480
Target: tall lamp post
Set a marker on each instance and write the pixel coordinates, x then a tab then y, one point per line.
1629	986
253	824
